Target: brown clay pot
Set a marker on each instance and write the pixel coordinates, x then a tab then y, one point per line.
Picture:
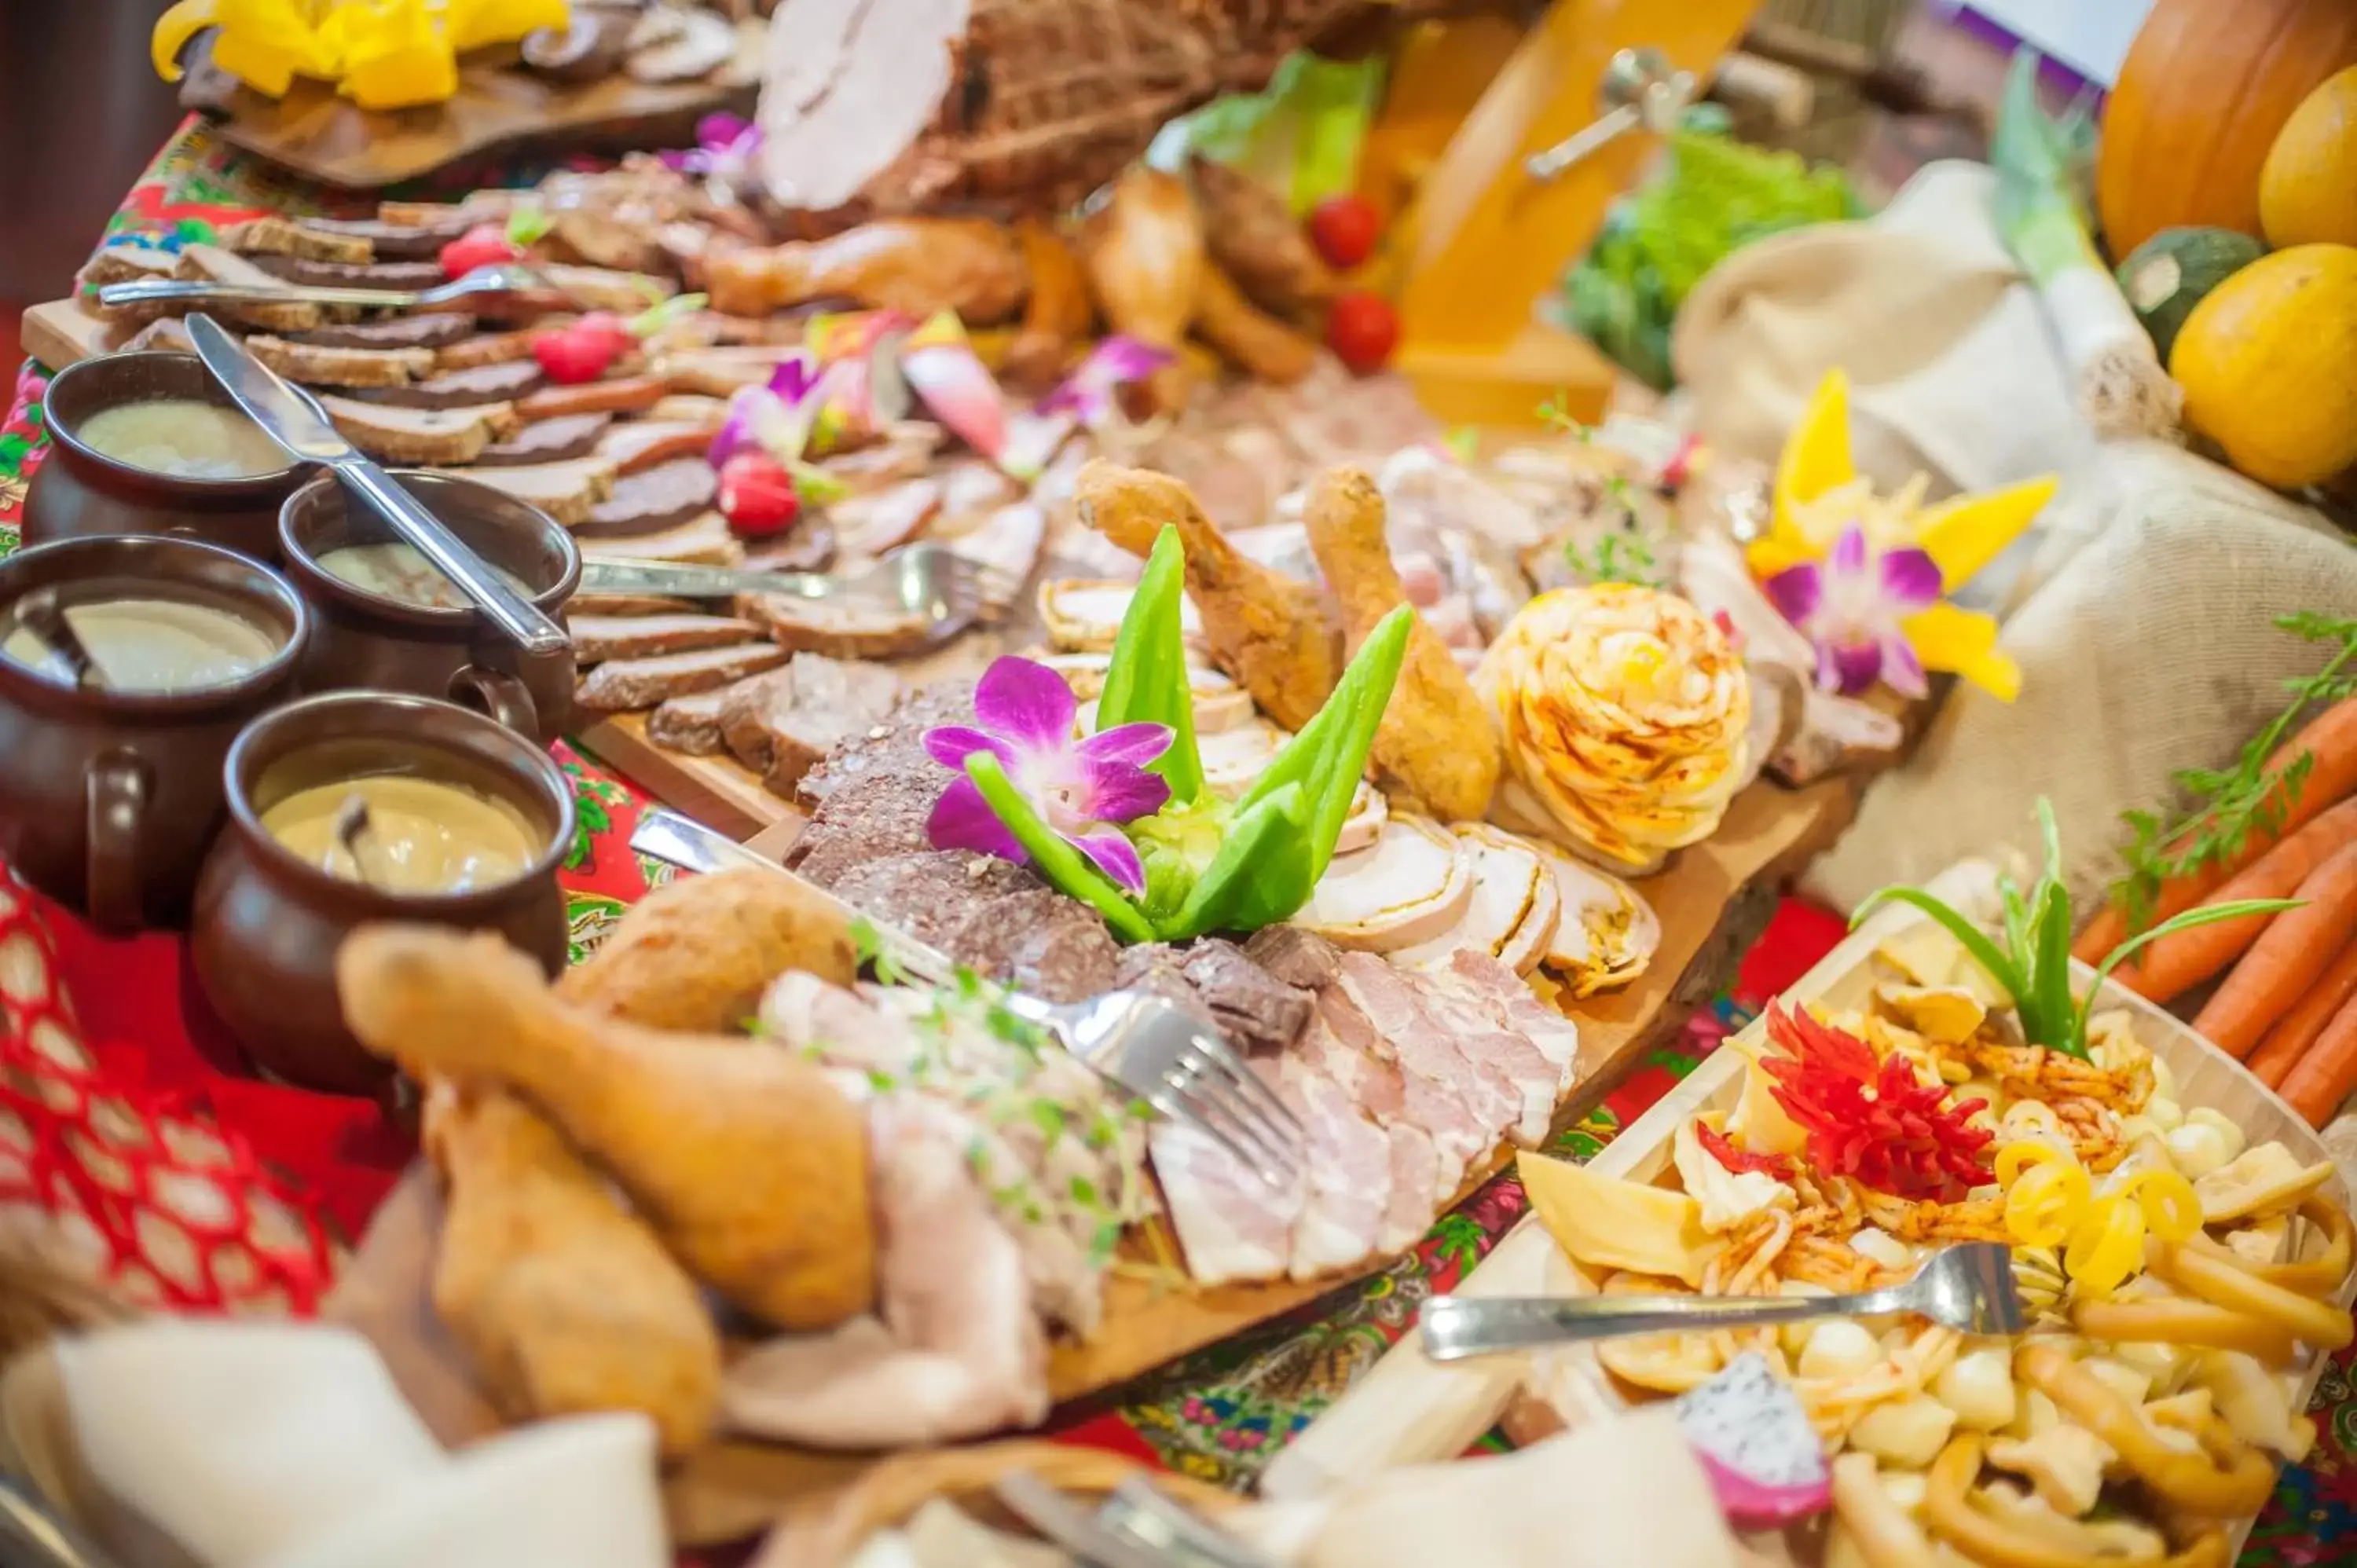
78	494
108	798
267	924
364	640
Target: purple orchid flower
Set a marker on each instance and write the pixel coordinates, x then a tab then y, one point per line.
726	146
1088	393
1080	788
776	418
1852	606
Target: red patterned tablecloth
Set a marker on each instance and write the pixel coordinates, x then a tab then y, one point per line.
124	1112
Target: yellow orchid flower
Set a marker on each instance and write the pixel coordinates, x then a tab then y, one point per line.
1820	501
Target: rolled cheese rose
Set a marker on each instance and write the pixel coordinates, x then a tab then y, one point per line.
1624	709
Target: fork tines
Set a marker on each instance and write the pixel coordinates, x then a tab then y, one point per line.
1207	1089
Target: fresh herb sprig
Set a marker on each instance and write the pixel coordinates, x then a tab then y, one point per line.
2229	804
2031	959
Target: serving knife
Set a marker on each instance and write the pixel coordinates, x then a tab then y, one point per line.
300	425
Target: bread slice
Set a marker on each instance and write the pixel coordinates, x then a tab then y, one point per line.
433	329
417	436
602	289
703	541
596	637
621	685
643	443
491	348
327	365
394	241
718	372
126	261
165	334
565	491
279	236
211	264
475	206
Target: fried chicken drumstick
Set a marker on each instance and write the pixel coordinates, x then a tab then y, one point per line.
1272	633
1438	742
562	1296
749	1165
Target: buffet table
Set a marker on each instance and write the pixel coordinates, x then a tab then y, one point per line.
154	1092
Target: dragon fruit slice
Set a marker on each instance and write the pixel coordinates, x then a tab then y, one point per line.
1755	1445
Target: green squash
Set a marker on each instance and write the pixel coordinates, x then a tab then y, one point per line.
2166	276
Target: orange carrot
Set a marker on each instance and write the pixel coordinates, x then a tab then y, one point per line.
2183	960
2286	960
2331	735
2297	1030
2322	1078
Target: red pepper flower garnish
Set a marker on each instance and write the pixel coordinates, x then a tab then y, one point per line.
1873	1122
1741	1161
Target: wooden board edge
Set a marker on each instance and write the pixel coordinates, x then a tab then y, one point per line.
718	791
59	332
572	118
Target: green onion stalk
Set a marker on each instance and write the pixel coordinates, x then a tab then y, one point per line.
2041	211
2031	956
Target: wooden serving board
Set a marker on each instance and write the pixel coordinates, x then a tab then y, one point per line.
499	106
1411	1410
718	791
1713	900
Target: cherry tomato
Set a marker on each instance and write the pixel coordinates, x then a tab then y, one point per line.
756	495
484	245
1362	331
1344	228
582	351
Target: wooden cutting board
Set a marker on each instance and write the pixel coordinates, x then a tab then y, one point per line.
498	107
1713	901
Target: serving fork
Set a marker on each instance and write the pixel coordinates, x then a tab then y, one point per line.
1144	1043
504	277
929	581
1968	1286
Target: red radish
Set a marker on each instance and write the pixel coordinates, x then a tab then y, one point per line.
484	245
756	495
1344	228
1362	331
582	351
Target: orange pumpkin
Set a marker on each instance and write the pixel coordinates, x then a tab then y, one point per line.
2199	98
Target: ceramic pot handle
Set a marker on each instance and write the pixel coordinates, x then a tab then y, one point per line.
500	695
116	798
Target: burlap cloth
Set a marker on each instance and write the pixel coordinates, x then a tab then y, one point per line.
2141	604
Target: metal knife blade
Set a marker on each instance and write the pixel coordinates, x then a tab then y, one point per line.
296	421
300	425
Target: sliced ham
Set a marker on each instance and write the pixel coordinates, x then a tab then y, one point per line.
1501	993
1409	1212
1230	1226
1439	1090
1350	1171
1508	1060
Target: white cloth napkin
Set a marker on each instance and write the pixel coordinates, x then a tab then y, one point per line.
286	1445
